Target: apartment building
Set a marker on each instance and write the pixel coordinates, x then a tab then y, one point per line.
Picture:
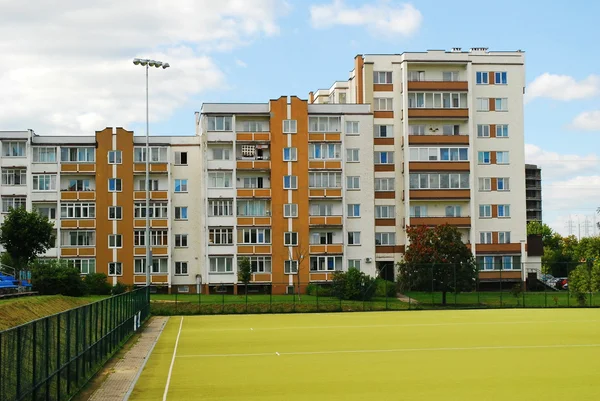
533	188
448	147
93	189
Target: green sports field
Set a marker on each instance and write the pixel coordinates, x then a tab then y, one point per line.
523	354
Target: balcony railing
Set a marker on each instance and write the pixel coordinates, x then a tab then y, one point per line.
438	138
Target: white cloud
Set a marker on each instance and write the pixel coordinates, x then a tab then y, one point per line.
587	121
385	17
240	63
557	166
67	65
562	87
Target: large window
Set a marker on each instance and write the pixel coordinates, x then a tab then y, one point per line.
114	185
253	208
501	104
159	238
383	104
217	179
385	238
485	184
253	182
502	131
157	210
439	180
153	184
324	151
485	237
253	126
219	123
439	154
384	131
484	157
157	154
115	157
290	210
416	75
324	180
500	78
44	154
221	153
85	266
289	126
321	209
502	158
290	238
322	238
382	77
181	185
290	182
181	158
115	241
14	177
353	237
503	184
13	149
384	158
181	268
220	207
181	213
44	182
499	262
483	131
79	185
325	263
352	182
77	210
290	154
81	155
220	264
418	211
47	211
437	100
220	236
384	184
352	155
139	238
481	77
416	129
504	237
259	264
352	128
78	238
482	104
159	266
485	211
12	203
324	124
385	212
503	210
290	267
254	236
354	210
181	241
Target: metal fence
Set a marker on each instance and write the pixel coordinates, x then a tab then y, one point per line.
54	357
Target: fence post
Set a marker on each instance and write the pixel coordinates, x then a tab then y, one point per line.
386	295
68	353
19	366
317	297
501	300
34	359
246	290
523	283
47	346
568	290
432	287
455	288
58	357
222	302
176	303
200	301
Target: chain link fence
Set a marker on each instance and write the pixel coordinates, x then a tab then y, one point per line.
54	357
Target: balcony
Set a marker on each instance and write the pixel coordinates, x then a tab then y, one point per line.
439	166
325	165
460	139
438	113
253	137
440	194
158	279
219	136
260	278
326	249
253	164
154	223
157	168
497	248
321	276
66	195
88	224
325	137
70	168
154	195
254	192
324	221
156	251
250	249
439	220
75	251
325	193
254	221
433	85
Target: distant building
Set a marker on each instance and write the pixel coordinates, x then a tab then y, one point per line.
533	188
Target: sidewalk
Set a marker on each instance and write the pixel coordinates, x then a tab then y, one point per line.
122	377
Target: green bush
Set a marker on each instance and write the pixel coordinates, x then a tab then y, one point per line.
97	284
119	288
353	285
320	290
51	277
385	288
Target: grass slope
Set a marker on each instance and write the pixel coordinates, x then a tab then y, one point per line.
17	311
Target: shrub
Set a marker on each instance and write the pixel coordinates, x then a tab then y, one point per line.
97	284
51	277
353	285
385	288
319	290
119	288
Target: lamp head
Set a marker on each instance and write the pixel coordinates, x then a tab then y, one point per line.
136	61
165	66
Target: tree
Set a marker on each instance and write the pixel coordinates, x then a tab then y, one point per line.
437	260
245	272
353	285
25	235
299	253
55	276
584	279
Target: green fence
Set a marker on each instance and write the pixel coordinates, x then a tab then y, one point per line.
52	358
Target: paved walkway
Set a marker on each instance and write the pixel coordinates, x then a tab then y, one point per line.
125	372
407	299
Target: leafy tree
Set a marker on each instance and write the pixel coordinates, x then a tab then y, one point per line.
97	284
25	235
437	260
584	279
549	237
353	285
245	272
53	276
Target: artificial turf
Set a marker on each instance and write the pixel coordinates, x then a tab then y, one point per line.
491	355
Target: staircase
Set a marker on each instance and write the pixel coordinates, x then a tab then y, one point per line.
535	282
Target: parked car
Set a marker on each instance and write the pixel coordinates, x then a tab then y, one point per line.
549	279
562	283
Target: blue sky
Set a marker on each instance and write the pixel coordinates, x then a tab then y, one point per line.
68	74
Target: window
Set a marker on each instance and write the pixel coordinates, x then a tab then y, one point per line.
385	212
324	151
181	213
325	263
157	210
290	154
85	155
115	213
451	129
499	262
483	104
290	210
485	262
181	240
485	211
290	182
384	157
12	203
256	208
115	157
181	185
352	155
450	76
43	154
16	177
324	124
218	207
47	211
139	238
254	236
354	264
483	131
352	182
252	182
385	238
13	149
290	267
384	184
78	238
153	185
504	237
220	236
482	78
416	75
443	154
253	126
484	157
453	211
353	237
44	182
225	153
382	77
259	264
324	180
322	238
181	268
503	184
384	131
383	104
439	180
502	158
485	184
502	131
77	210
321	209
437	100
501	104
500	78
159	266
114	184
219	180
290	238
418	211
181	160
289	126
217	123
115	241
485	237
139	266
157	154
220	264
415	129
159	238
85	266
352	128
354	210
342	98
115	269
503	210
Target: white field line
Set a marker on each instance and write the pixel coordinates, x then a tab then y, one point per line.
172	361
395	325
375	351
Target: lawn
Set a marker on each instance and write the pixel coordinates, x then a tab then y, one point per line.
457	355
504	299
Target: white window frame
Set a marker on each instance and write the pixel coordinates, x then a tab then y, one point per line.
115	157
290	182
352	182
179	161
220	236
383	104
115	241
482	104
389	157
180	211
118	185
181	268
36	179
290	238
383	131
503	211
385	238
482	159
485	184
323	263
10	176
215	261
382	77
258	232
501	130
292	156
485	211
354	238
385	211
260	264
502	157
483	130
220	153
216	177
322	151
485	237
181	240
290	267
83	154
505	184
45	150
219	123
224	205
290	126
84	265
9	146
324	179
353	210
183	185
290	210
501	104
71	209
115	213
353	155
115	269
352	128
390	184
439	181
482	78
504	237
324	124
